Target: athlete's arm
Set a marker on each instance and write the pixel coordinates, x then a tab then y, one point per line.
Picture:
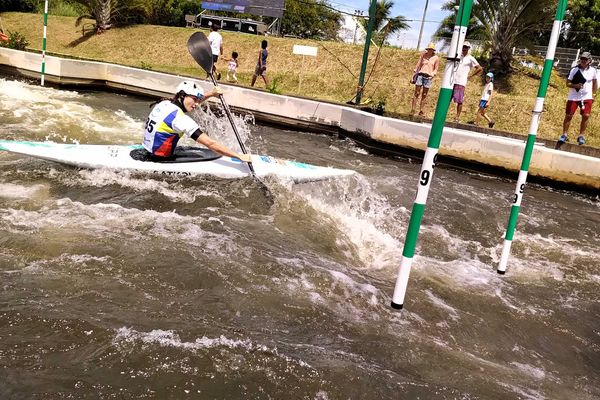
217	147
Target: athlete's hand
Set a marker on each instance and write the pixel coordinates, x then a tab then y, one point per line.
245	157
218	91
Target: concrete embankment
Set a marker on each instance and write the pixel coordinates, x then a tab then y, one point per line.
381	134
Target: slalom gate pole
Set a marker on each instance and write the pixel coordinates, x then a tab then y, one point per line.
365	59
533	128
435	136
44	41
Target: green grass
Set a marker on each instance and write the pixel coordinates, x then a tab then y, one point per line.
332	75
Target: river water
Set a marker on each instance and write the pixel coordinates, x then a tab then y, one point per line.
118	285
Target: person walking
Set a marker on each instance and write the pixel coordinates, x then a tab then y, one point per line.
583	86
461	76
486	99
261	65
216	46
232	64
425	70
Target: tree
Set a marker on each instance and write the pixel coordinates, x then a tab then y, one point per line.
111	12
502	25
17	5
583	25
385	25
170	12
310	19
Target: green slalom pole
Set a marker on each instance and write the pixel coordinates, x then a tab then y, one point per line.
363	67
435	136
533	128
44	41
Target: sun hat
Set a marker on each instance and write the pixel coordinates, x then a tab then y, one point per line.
467	44
430	46
490	74
586	54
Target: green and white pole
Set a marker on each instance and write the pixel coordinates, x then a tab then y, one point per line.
533	128
365	59
44	41
435	136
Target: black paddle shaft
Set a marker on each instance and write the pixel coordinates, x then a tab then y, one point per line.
199	48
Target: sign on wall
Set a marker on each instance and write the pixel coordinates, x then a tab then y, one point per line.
269	8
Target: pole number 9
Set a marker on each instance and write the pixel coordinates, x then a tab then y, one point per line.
426	173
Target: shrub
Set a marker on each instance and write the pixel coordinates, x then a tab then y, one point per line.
274	85
15	41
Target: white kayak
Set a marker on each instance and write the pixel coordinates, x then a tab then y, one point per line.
188	161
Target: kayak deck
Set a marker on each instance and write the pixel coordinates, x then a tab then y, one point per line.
119	157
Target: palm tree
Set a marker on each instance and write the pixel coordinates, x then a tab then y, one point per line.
502	25
385	25
106	13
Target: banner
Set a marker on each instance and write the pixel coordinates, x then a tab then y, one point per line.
270	8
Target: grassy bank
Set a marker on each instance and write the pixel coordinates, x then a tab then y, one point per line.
333	75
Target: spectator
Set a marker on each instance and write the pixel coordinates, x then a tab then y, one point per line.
583	84
216	45
261	65
232	64
462	75
486	99
425	71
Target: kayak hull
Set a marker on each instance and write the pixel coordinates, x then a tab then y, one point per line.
119	157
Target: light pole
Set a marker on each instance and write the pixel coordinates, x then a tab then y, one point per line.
357	13
422	24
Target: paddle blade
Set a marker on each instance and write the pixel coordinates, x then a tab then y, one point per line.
199	48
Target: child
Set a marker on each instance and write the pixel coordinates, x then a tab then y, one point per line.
486	98
232	65
261	65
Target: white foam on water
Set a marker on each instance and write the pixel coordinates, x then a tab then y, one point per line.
169	338
536	258
41	267
529	370
220	128
324	284
169	188
62	115
439	303
520	305
112	220
352	288
524	393
466	274
363	217
457	247
14	191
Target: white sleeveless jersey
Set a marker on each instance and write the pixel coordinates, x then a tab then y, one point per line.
164	126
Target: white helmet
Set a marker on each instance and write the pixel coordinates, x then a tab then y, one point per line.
190	88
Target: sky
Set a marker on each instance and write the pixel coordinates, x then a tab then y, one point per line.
410	9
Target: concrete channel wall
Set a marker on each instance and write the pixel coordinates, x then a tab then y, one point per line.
473	147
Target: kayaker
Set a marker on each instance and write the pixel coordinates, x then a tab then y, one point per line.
167	122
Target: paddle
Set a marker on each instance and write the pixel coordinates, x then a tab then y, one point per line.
199	48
